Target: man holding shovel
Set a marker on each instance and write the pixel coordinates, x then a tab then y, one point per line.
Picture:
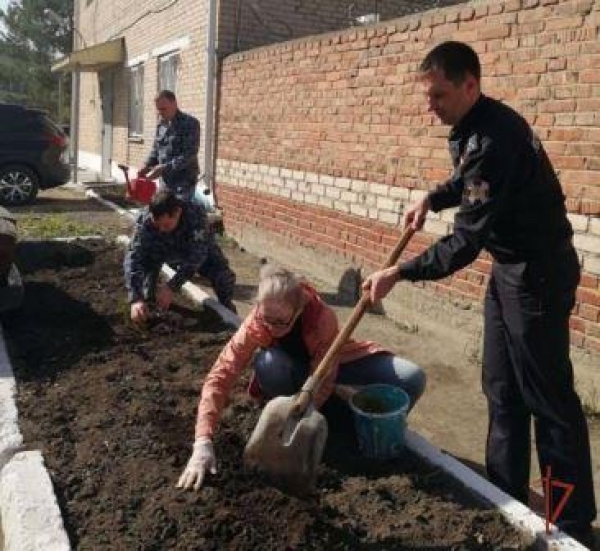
511	204
292	330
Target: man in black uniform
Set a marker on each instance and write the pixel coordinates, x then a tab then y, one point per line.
511	204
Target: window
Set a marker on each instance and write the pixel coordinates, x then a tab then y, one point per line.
168	66
136	100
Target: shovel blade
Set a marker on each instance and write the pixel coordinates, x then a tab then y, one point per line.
292	465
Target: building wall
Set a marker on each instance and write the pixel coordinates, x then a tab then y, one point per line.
148	26
322	141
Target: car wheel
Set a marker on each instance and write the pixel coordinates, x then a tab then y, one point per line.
18	185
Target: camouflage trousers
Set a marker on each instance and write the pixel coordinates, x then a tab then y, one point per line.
215	268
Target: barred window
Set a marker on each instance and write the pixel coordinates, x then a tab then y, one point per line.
136	100
168	68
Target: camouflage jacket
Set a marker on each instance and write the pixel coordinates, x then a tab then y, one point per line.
185	249
176	147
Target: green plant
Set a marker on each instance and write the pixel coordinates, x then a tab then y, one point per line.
52	225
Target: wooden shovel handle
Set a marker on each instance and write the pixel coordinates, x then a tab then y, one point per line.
303	398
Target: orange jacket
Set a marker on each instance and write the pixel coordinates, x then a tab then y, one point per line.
319	329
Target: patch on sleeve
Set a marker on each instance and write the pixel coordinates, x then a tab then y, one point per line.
472	144
476	191
471	147
199	235
535	142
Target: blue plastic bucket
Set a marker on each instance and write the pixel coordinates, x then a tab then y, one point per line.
380	419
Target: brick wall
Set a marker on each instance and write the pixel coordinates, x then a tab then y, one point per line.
323	140
146	25
247	24
151	24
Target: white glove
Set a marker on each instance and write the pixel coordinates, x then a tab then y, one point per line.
203	459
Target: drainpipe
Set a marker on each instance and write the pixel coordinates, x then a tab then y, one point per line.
209	108
74	124
78	42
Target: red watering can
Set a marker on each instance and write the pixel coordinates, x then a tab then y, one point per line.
139	189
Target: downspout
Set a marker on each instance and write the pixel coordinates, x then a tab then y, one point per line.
209	108
75	99
74	126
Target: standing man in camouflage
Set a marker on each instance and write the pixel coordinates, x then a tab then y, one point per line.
174	155
174	232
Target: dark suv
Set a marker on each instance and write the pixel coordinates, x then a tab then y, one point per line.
33	154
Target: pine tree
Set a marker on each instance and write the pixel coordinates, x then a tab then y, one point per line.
30	43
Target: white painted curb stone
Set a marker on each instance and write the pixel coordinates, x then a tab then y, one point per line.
123	212
10	437
31	519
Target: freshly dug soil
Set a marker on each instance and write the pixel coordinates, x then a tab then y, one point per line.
113	410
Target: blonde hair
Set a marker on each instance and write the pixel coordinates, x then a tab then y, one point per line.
277	283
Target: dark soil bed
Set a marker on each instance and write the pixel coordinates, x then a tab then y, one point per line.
113	410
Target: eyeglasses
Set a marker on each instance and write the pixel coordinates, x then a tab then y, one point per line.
277	323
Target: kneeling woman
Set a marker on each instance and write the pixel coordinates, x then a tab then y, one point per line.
292	329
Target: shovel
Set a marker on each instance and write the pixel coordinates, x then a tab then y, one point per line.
289	438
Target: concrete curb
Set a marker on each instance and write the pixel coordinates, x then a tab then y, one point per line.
30	515
31	518
10	437
93	195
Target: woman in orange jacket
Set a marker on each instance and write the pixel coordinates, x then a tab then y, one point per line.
290	329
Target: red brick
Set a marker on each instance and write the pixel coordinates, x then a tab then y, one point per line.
578	339
577	324
588	296
592	343
561	23
588	312
496	31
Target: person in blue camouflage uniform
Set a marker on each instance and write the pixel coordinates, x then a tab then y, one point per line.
173	232
174	155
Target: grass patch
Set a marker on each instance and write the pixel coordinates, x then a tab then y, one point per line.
48	226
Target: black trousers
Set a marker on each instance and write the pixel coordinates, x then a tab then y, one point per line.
527	373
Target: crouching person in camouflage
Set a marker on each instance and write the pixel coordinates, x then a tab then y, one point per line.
173	232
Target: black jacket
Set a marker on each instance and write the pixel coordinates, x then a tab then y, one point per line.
510	199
